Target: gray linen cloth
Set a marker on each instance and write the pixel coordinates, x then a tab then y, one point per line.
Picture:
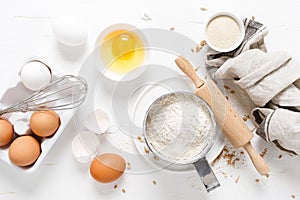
272	80
280	126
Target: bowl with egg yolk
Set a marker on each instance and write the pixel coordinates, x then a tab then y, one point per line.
121	50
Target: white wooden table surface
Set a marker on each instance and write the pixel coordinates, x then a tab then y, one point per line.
26	31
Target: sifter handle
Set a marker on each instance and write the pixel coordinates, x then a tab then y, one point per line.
206	174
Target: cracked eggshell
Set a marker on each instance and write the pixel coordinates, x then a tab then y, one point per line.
85	146
22	127
147	13
21	122
97	122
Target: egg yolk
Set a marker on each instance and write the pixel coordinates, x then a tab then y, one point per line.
122	45
122	51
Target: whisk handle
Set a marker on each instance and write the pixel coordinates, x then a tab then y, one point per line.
15	108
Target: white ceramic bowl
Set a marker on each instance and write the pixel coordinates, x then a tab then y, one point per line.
240	23
132	74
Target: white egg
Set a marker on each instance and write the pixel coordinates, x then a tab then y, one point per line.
70	31
35	75
85	146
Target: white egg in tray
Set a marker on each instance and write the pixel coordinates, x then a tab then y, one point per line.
21	121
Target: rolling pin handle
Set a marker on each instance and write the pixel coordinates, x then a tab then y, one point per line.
187	68
258	162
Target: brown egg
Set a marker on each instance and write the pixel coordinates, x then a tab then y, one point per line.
107	167
6	132
44	123
24	151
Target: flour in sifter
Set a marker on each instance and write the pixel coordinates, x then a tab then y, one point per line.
179	126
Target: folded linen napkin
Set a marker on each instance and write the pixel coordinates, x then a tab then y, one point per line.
254	38
265	77
272	80
274	127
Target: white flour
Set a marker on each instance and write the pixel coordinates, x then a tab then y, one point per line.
179	127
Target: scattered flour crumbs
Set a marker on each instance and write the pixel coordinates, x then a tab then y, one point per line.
179	126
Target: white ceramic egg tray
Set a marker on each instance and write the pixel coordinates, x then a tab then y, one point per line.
17	91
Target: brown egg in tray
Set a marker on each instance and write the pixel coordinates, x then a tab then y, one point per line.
24	146
27	137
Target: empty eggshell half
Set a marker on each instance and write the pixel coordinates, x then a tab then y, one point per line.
22	127
97	122
85	146
20	121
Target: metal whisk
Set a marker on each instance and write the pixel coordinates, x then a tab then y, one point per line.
67	92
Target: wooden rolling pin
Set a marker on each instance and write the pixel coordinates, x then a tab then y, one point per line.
226	117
